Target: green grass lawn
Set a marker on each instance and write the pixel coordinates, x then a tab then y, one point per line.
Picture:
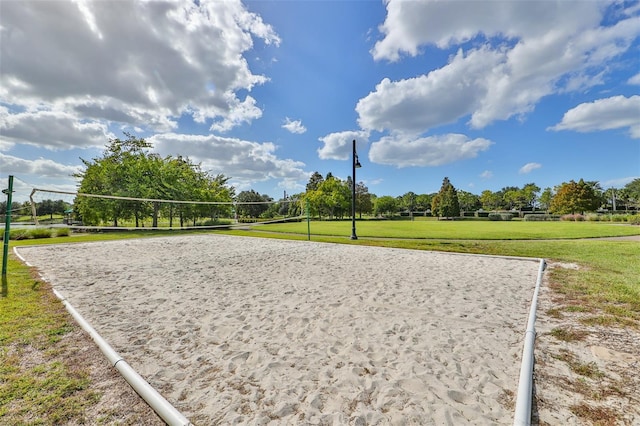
465	230
36	385
31	319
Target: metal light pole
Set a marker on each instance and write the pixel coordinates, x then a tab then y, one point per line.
355	165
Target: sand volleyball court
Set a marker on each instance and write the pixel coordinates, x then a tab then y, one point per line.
247	330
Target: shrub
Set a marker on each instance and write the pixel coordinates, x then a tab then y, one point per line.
19	234
618	218
500	216
62	232
593	217
36	233
26	233
573	217
634	219
541	217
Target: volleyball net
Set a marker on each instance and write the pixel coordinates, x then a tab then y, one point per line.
112	212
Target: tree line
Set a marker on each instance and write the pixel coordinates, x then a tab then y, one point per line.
127	168
331	197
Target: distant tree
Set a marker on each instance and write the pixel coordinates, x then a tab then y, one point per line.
45	207
490	200
468	201
508	197
632	192
363	199
529	195
598	192
445	203
423	202
51	207
515	198
291	205
385	205
16	209
332	198
623	199
408	202
544	202
575	197
314	181
252	210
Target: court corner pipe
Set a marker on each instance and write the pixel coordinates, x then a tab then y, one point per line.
161	406
522	415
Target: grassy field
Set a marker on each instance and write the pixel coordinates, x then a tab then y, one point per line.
33	321
37	386
464	230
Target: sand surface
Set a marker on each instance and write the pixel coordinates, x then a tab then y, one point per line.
247	330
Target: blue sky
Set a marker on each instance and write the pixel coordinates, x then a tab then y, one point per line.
488	93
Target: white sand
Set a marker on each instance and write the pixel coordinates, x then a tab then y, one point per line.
246	330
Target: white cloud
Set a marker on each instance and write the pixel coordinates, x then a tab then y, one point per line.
442	96
618	183
635	80
487	174
242	112
528	168
338	146
428	151
5	145
294	126
53	130
186	59
604	114
516	53
243	161
40	167
410	25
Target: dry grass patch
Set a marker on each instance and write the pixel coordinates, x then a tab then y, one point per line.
597	416
568	334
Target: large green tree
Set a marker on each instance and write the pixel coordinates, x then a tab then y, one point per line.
468	201
490	200
529	195
256	203
544	202
575	197
364	204
631	193
445	203
385	205
128	169
423	202
314	181
51	207
332	198
407	201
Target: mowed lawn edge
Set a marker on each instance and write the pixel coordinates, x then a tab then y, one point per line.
462	230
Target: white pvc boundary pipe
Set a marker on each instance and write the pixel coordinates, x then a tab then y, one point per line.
161	406
525	385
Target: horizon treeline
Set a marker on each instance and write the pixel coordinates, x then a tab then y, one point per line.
128	168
